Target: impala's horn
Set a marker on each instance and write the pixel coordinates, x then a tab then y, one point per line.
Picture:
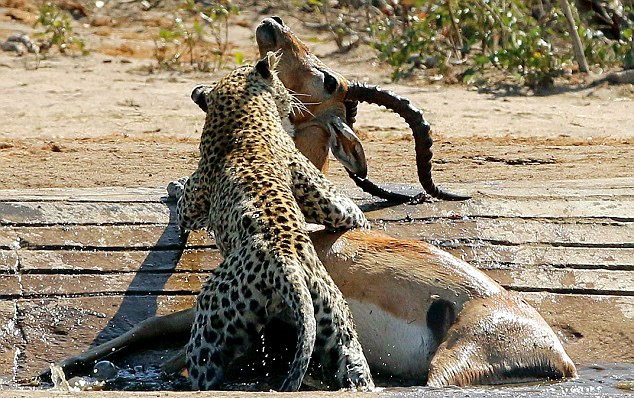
420	128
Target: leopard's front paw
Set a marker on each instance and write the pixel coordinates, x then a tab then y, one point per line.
357	219
175	188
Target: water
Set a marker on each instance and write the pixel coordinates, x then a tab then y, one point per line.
604	380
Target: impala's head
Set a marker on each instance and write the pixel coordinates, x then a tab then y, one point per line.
322	124
319	87
331	103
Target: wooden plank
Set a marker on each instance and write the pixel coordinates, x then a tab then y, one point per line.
594	187
580	184
614	189
11	341
598	187
143	236
151	282
496	208
38	285
8	260
501	256
100	236
84	213
74	261
35	213
518	274
9	285
103	194
482	255
574	280
517	231
592	328
58	327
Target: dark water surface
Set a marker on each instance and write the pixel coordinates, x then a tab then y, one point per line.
604	380
599	380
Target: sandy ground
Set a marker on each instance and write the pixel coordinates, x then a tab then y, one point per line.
105	119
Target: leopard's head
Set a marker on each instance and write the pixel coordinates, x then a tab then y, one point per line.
230	92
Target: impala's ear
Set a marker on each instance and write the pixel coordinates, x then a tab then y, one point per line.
199	96
267	65
346	147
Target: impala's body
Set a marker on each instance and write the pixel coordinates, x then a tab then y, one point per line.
419	309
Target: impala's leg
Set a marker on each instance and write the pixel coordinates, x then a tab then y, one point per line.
178	323
488	348
319	200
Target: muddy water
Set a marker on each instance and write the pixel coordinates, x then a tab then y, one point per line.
604	380
595	380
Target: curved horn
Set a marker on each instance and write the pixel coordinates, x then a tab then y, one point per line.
420	129
351	112
368	186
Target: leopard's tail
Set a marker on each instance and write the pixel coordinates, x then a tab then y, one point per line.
299	300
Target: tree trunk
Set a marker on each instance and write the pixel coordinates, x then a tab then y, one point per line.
574	35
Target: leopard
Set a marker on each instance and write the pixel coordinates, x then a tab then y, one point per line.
256	193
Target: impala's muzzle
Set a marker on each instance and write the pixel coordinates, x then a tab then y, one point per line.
343	142
346	147
267	33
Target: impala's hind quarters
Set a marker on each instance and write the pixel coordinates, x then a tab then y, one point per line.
405	296
499	340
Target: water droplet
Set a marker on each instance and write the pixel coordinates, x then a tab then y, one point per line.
105	370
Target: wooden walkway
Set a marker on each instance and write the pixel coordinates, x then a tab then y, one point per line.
82	265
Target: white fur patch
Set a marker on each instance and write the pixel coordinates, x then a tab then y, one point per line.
392	344
288	126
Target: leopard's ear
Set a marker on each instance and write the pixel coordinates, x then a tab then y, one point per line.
200	97
267	65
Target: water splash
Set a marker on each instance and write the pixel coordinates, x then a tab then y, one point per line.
59	379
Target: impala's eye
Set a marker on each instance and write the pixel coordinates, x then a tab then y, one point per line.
330	83
278	20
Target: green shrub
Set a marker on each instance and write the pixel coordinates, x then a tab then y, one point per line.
57	30
485	34
402	46
198	35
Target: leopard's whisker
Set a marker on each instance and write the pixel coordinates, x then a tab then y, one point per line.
290	90
301	111
300	107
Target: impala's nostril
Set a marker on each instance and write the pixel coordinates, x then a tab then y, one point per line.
266	35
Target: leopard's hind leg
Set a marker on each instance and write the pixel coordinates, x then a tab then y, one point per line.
234	305
340	353
319	200
222	327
